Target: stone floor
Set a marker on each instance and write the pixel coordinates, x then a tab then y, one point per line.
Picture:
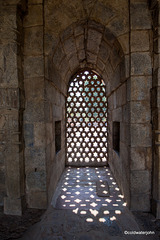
88	205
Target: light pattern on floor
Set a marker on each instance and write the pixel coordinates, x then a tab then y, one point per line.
78	193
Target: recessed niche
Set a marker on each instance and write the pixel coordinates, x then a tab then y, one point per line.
57	136
116	136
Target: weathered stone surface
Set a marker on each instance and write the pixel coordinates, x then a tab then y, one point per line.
35	1
117	114
80	42
49	133
121	95
39	134
139	41
141	135
140	182
29	134
140	112
35	158
58	55
124	42
141	64
34	88
33	41
100	65
104	51
33	66
138	156
91	58
140	88
12	206
74	63
36	180
37	199
140	16
70	47
34	111
34	16
93	41
140	202
100	11
119	26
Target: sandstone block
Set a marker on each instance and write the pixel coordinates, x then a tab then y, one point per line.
125	132
81	55
140	112
100	11
114	58
95	25
140	182
139	41
100	65
69	47
140	202
119	25
34	17
124	42
80	42
36	181
34	111
58	55
34	88
74	63
13	206
64	68
91	58
93	40
141	135
29	134
49	133
115	79
79	30
35	159
140	16
121	95
37	199
141	64
9	98
33	66
33	41
138	156
140	88
39	134
117	114
104	51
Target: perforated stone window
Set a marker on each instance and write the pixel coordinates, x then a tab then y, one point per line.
86	120
116	136
57	136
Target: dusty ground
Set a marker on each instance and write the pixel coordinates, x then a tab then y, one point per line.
77	195
13	227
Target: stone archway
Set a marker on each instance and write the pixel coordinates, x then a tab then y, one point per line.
89	44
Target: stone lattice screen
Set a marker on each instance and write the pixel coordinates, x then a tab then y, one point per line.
86	120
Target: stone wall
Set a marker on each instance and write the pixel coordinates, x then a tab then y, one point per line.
140	113
12	185
34	114
155	95
58	38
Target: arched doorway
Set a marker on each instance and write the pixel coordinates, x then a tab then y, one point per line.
86	120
